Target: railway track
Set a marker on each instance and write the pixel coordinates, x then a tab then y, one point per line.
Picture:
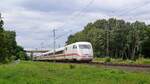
112	64
137	66
122	65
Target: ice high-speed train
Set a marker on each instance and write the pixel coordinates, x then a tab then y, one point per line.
79	51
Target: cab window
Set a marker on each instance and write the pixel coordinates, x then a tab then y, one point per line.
74	47
84	46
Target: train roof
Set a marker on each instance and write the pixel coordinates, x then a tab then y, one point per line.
62	48
57	50
77	43
82	43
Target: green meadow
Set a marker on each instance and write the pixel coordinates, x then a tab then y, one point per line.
56	73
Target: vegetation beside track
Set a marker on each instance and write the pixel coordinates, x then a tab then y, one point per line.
51	73
9	49
116	38
120	61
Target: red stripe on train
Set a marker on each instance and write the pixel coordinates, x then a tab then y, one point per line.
72	54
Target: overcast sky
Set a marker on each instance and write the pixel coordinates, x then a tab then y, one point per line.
34	20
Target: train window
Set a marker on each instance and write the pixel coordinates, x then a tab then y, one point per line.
84	46
50	54
59	52
74	47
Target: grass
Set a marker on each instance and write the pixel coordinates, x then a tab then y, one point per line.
51	73
120	61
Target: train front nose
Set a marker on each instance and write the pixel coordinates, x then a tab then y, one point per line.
86	54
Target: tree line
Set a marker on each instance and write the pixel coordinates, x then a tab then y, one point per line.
116	38
9	50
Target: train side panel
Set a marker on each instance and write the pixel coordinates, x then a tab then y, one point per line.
79	51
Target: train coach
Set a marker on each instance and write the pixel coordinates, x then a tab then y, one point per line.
79	51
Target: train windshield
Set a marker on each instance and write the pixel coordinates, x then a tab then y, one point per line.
84	46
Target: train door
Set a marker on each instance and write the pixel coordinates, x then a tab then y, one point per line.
74	52
68	52
65	53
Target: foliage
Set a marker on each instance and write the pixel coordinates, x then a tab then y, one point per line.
72	66
146	44
116	38
108	59
9	50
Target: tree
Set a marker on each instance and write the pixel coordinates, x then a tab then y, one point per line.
9	50
2	49
146	43
20	53
115	38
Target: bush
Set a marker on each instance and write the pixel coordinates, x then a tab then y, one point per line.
71	66
108	59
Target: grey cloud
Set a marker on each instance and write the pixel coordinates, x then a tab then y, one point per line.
34	20
64	6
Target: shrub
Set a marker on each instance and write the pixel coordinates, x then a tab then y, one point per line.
108	59
71	66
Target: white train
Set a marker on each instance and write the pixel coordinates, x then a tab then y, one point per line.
79	51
